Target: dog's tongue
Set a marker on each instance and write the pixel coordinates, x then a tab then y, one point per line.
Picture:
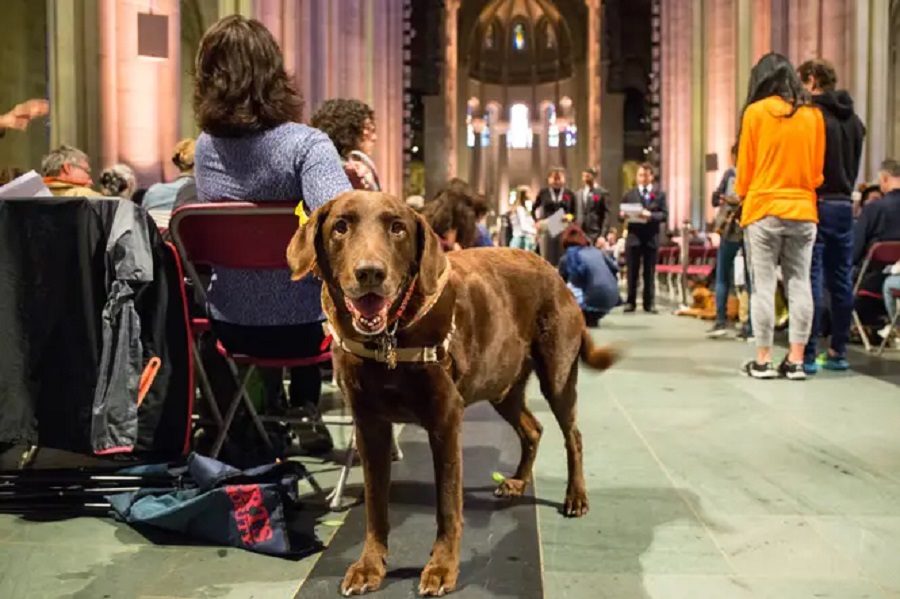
370	305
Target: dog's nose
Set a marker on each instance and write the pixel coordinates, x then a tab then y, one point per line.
370	273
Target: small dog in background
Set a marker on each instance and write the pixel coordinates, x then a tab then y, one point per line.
703	305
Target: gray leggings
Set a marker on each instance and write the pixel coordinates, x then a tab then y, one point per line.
770	241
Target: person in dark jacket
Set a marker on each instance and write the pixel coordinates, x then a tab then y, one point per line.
879	221
590	273
642	241
590	205
833	250
550	200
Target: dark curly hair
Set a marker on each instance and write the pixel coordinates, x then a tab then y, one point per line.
455	207
574	236
344	121
240	84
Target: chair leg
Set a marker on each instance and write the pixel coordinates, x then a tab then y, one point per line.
240	397
337	495
206	387
892	331
862	331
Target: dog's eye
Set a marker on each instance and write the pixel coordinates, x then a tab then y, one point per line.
340	227
397	228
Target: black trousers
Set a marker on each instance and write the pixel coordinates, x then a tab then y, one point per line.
295	341
635	257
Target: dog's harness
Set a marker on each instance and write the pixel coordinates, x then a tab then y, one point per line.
384	348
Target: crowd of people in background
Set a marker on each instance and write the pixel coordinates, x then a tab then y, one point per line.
785	211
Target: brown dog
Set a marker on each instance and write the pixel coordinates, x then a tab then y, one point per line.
420	335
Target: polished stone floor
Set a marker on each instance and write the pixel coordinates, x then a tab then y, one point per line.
703	484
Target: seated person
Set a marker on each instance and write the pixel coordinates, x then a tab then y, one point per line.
350	124
483	236
253	148
452	215
891	283
162	196
878	221
590	273
67	173
118	181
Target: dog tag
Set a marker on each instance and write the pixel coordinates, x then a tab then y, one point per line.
389	350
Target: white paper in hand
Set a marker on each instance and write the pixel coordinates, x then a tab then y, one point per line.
632	212
29	185
556	223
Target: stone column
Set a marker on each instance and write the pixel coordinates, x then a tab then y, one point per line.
894	78
536	142
721	89
236	7
140	95
24	55
475	154
594	49
451	105
699	110
503	163
74	75
677	113
745	23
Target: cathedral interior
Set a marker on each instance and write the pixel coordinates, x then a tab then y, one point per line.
703	484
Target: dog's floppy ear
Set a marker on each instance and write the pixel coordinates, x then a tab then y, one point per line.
429	256
303	250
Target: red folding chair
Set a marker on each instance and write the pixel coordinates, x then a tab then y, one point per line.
236	235
892	329
881	252
668	268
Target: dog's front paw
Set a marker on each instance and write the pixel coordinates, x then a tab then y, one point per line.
510	487
364	576
576	503
439	577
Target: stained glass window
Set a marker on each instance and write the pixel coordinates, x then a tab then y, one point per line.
519	37
489	38
551	37
470	129
571	135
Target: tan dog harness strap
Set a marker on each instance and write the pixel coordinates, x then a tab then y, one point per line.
391	356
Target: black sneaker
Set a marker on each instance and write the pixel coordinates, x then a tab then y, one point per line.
759	371
792	371
630	308
310	432
719	330
651	310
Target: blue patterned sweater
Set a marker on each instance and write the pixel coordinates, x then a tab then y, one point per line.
290	162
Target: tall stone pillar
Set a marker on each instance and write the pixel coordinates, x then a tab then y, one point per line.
677	113
536	143
595	85
74	75
24	56
893	148
722	50
745	23
503	164
451	104
699	76
140	95
236	7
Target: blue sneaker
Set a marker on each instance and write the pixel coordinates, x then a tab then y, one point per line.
810	368
833	362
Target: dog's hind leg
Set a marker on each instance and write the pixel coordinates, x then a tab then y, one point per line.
513	409
558	378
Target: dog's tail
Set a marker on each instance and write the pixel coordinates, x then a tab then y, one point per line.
598	358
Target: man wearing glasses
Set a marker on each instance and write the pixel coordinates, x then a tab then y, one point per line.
67	172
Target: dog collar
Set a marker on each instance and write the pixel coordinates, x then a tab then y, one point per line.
383	349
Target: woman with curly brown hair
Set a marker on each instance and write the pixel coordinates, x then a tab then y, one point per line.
351	126
253	148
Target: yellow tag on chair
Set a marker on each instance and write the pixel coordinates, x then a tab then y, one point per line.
301	213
